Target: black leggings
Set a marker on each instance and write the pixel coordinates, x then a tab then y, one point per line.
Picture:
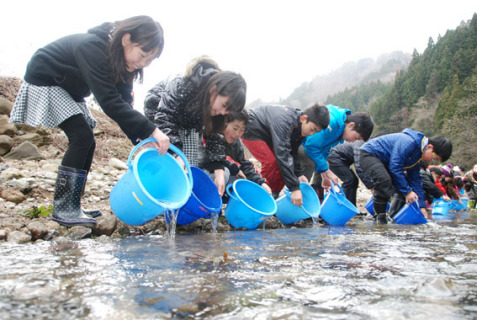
81	144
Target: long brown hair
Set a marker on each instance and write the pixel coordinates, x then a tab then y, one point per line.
226	83
145	32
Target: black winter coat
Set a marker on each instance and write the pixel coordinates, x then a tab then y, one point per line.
431	191
167	103
78	64
346	154
280	128
236	161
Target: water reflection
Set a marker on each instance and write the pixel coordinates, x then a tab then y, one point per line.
358	271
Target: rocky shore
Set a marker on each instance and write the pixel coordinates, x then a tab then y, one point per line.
29	159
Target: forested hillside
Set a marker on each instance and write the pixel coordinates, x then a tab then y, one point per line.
438	93
374	74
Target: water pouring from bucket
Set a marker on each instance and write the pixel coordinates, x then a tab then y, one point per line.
152	184
289	213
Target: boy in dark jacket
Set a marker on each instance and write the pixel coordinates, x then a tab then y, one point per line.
392	161
431	191
340	160
273	136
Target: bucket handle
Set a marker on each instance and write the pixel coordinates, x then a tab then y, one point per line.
333	192
171	147
230	192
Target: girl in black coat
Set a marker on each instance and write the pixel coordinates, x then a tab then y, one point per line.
104	61
193	107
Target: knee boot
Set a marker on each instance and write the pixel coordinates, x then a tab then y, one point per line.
94	213
380	215
67	200
396	205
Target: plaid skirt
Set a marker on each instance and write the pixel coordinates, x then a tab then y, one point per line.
190	145
46	106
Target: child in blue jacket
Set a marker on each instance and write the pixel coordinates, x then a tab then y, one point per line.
393	161
344	126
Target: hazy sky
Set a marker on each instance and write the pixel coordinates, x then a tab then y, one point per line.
276	45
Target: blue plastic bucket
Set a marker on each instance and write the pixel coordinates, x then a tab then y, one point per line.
370	206
336	210
441	207
289	213
410	214
152	184
455	205
249	204
204	202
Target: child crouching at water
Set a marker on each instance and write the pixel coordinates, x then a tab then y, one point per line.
392	161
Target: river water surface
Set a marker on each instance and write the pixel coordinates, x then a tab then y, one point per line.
359	271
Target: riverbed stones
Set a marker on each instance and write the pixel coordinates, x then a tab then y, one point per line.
106	224
80	232
37	230
12	195
18	237
25	150
6	144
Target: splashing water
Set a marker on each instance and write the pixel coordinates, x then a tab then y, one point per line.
214	220
171	216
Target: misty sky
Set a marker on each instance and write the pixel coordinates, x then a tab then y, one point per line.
276	45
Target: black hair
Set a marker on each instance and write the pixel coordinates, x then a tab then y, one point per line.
320	115
145	32
239	116
436	170
364	124
459	182
424	164
226	83
442	147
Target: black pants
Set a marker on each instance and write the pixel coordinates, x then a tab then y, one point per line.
81	143
350	181
383	184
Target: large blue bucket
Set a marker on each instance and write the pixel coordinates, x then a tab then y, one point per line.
204	202
455	205
336	210
289	213
152	184
441	207
409	214
370	206
249	204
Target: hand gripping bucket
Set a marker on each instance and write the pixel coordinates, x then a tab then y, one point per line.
410	214
249	204
204	202
441	207
152	184
336	210
289	213
370	206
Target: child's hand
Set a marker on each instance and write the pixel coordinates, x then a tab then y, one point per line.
181	163
425	213
411	197
446	198
297	198
267	188
242	175
303	178
220	181
163	141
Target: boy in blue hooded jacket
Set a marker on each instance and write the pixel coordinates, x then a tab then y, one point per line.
344	126
392	161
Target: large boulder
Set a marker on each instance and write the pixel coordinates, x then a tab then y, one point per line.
6	144
5	106
26	150
6	127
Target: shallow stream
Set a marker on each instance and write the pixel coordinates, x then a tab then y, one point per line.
359	271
